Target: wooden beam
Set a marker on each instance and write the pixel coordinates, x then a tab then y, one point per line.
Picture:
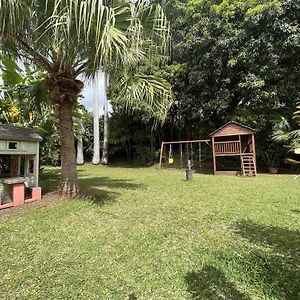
254	153
187	142
233	154
161	152
214	155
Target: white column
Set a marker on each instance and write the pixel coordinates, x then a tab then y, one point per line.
80	157
104	160
96	154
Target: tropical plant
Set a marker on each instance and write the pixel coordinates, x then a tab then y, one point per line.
24	100
287	132
71	37
284	134
133	91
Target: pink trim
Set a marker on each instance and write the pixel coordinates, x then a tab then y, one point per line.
18	194
30	200
36	193
8	205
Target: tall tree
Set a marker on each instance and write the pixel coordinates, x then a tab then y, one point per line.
104	158
232	60
96	103
71	37
80	155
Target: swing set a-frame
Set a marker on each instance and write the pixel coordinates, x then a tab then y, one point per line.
188	150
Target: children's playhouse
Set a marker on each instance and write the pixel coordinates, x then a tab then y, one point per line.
19	166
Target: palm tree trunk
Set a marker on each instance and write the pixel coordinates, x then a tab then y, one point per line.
104	160
68	186
80	158
96	154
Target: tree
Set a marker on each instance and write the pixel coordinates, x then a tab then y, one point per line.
104	158
71	37
80	155
23	97
132	91
232	60
96	100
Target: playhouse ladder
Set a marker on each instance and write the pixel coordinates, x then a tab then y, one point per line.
248	165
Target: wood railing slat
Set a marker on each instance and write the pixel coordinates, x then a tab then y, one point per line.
227	147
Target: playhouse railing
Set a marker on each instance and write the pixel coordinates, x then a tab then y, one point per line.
233	147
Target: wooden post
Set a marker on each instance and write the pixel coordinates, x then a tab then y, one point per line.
241	159
214	156
161	152
254	152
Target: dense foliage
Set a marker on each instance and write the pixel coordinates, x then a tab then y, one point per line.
233	60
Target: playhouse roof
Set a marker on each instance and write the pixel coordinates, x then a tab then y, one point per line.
10	132
232	128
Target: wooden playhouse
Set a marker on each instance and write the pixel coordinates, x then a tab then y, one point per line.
235	139
19	166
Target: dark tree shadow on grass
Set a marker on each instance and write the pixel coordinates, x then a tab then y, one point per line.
49	180
98	190
93	188
296	211
98	196
211	283
132	297
98	182
128	165
276	253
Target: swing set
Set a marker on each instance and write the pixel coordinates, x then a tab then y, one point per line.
179	152
232	140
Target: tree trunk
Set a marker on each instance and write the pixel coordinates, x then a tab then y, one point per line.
104	160
68	186
152	147
96	153
80	157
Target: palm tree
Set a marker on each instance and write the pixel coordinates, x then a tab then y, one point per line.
80	156
96	151
67	38
104	158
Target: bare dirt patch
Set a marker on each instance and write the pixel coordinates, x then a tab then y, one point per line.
48	200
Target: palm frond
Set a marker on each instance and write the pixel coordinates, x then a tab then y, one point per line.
11	15
297	113
145	93
94	32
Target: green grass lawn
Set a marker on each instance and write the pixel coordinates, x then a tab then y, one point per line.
149	234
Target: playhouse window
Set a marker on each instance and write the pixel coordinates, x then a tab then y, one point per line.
4	166
30	166
12	145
